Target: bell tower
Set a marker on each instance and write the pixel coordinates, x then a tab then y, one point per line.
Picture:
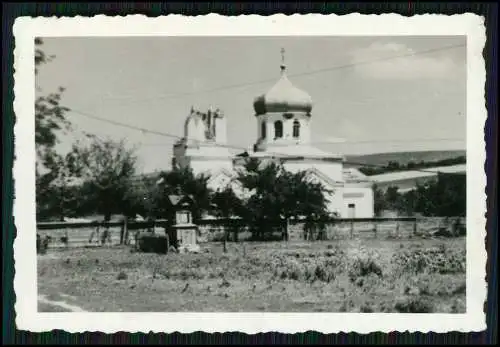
283	114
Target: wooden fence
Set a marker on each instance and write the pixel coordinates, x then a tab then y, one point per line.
92	234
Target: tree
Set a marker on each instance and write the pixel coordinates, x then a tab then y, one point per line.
49	114
144	195
379	201
226	204
49	120
392	198
184	181
445	196
58	192
107	168
279	195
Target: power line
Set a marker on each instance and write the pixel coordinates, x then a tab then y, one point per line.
149	131
353	142
164	134
338	67
240	148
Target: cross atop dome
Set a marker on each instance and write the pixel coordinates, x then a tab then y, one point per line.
283	66
283	97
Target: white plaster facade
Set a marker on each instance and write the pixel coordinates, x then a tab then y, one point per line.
283	117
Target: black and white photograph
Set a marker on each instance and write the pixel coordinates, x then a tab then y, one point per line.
328	178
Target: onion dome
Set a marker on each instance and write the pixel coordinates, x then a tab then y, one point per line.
283	97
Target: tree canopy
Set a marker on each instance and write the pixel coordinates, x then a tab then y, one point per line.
279	193
182	181
444	197
107	168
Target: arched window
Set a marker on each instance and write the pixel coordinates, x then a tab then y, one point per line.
263	130
296	129
278	129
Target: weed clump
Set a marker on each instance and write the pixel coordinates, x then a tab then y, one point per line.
414	304
306	268
362	265
121	276
435	260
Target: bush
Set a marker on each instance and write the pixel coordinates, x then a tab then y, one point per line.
148	242
414	304
363	266
42	244
305	267
440	260
121	276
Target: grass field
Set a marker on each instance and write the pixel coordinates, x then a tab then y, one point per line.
360	275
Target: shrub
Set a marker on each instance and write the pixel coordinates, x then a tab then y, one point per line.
362	266
121	276
438	260
414	304
367	308
42	244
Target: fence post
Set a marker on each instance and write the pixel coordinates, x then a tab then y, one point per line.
375	229
352	229
397	229
415	227
286	229
236	229
125	232
66	237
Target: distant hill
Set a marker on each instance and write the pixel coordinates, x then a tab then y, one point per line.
403	157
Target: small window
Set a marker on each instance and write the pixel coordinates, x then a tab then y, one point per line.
278	129
296	128
263	130
351	205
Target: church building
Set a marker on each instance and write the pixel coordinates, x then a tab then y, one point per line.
283	118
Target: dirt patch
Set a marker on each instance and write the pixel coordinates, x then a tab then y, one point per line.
56	306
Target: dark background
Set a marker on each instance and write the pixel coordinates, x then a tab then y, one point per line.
11	10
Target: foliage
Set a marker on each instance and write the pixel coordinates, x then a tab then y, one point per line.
278	193
107	168
226	203
442	197
379	203
49	120
58	192
436	260
143	195
185	182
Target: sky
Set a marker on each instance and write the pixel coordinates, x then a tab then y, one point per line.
378	94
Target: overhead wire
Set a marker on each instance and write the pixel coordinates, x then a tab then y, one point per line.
299	74
241	148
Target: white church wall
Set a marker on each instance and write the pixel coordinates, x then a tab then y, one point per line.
357	202
181	159
335	200
333	170
210	166
220	130
305	130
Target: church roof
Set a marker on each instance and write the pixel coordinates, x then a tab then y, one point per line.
353	175
283	97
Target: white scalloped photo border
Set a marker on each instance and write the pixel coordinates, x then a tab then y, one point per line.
25	281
